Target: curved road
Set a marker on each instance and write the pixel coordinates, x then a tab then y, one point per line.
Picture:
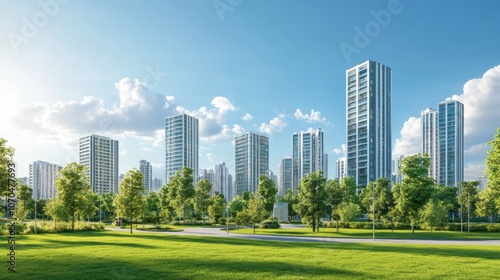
217	232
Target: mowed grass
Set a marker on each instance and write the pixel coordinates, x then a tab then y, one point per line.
379	233
119	255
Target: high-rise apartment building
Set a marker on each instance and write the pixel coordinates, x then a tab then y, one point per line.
251	160
340	168
368	108
181	145
285	176
100	155
221	180
430	139
42	179
147	173
157	184
443	142
307	154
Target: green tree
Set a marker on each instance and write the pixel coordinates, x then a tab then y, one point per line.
56	210
255	211
291	200
202	197
167	211
448	197
467	198
40	208
129	202
73	188
416	189
237	205
181	191
312	197
152	208
334	199
25	204
348	188
107	206
384	200
348	211
89	209
486	205
216	207
267	190
492	170
434	213
6	157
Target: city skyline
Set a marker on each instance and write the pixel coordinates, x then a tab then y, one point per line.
236	74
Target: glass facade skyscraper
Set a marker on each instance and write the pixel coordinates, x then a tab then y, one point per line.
251	160
181	145
368	108
443	142
307	155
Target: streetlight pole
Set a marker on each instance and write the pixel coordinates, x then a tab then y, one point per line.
227	217
373	209
468	213
35	213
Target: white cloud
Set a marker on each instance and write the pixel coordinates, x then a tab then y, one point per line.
313	117
474	171
481	99
139	112
247	117
410	141
275	125
342	151
212	121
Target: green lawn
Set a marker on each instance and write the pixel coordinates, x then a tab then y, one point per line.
379	233
119	255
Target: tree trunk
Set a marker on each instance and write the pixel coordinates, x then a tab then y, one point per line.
314	224
318	223
253	228
131	222
73	223
337	225
184	215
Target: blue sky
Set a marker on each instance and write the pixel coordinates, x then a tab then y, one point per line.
118	68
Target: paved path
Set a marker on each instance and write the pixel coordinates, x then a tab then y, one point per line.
217	232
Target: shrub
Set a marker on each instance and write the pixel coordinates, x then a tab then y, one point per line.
270	223
222	221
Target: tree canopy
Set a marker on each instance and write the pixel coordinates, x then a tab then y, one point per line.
267	190
312	196
130	202
73	190
6	157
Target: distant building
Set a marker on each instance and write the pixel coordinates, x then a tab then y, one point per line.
181	145
443	142
42	179
24	180
307	154
368	122
340	168
147	172
100	155
251	160
157	184
230	188
285	177
209	175
221	180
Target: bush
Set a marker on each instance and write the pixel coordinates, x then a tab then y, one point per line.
493	228
222	221
270	223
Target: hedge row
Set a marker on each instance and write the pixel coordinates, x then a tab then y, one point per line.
50	227
450	227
